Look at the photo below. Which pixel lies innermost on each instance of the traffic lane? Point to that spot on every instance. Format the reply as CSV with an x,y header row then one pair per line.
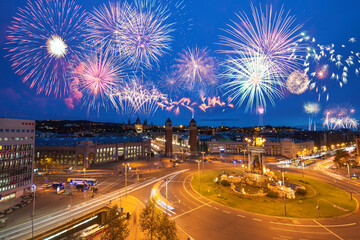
x,y
211,223
56,218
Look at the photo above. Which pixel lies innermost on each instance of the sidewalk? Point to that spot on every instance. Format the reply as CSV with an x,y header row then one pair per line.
x,y
134,206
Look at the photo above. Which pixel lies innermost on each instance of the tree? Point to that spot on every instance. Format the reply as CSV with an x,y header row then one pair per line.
x,y
148,220
118,228
156,224
166,228
341,157
47,162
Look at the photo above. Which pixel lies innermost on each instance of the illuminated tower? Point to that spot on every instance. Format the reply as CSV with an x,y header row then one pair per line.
x,y
193,137
138,126
168,138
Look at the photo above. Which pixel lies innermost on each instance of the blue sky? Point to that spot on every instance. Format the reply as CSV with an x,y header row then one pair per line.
x,y
329,21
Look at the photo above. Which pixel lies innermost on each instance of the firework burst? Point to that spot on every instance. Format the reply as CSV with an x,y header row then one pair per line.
x,y
340,116
140,33
312,109
298,82
251,78
195,69
99,75
137,97
273,35
44,38
175,106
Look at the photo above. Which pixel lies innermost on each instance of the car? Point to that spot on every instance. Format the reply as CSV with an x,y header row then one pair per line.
x,y
46,185
9,210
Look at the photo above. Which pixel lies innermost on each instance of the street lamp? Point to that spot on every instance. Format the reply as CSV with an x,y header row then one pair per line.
x,y
283,177
166,190
203,160
33,211
198,174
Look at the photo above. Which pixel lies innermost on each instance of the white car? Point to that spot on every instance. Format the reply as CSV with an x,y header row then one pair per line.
x,y
46,185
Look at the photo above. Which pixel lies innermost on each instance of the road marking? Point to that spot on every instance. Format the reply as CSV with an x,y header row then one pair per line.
x,y
240,216
315,226
329,230
286,237
226,212
191,238
256,219
190,211
288,230
216,208
295,221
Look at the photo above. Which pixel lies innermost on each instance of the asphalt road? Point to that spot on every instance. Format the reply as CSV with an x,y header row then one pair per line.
x,y
201,218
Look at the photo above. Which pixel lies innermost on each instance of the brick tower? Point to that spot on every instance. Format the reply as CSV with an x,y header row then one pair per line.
x,y
168,138
193,137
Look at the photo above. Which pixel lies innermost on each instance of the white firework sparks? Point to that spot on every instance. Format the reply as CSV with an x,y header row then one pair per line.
x,y
298,82
251,78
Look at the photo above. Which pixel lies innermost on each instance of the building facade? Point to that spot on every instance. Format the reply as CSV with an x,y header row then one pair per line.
x,y
17,140
285,147
85,152
288,148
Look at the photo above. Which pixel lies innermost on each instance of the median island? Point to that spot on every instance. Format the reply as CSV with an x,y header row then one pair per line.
x,y
269,193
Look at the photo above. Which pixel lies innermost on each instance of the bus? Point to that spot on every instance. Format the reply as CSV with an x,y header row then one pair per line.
x,y
90,231
88,181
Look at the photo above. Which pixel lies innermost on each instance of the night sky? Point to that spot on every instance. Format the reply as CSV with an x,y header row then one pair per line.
x,y
201,24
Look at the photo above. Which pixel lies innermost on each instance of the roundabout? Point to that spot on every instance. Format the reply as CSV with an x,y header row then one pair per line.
x,y
200,217
316,200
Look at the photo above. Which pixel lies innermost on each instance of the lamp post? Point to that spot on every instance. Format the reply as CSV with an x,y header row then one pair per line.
x,y
166,192
203,160
283,177
125,180
198,174
33,212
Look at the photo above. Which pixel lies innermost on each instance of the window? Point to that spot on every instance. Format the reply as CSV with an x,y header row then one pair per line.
x,y
6,130
22,130
12,130
32,130
1,130
17,130
27,130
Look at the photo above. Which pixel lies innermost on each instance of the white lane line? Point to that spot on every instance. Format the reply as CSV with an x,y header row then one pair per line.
x,y
190,211
256,219
329,230
286,237
47,222
216,208
226,212
314,226
288,230
240,216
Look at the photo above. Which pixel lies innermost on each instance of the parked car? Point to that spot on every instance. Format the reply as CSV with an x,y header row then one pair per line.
x,y
46,185
7,211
